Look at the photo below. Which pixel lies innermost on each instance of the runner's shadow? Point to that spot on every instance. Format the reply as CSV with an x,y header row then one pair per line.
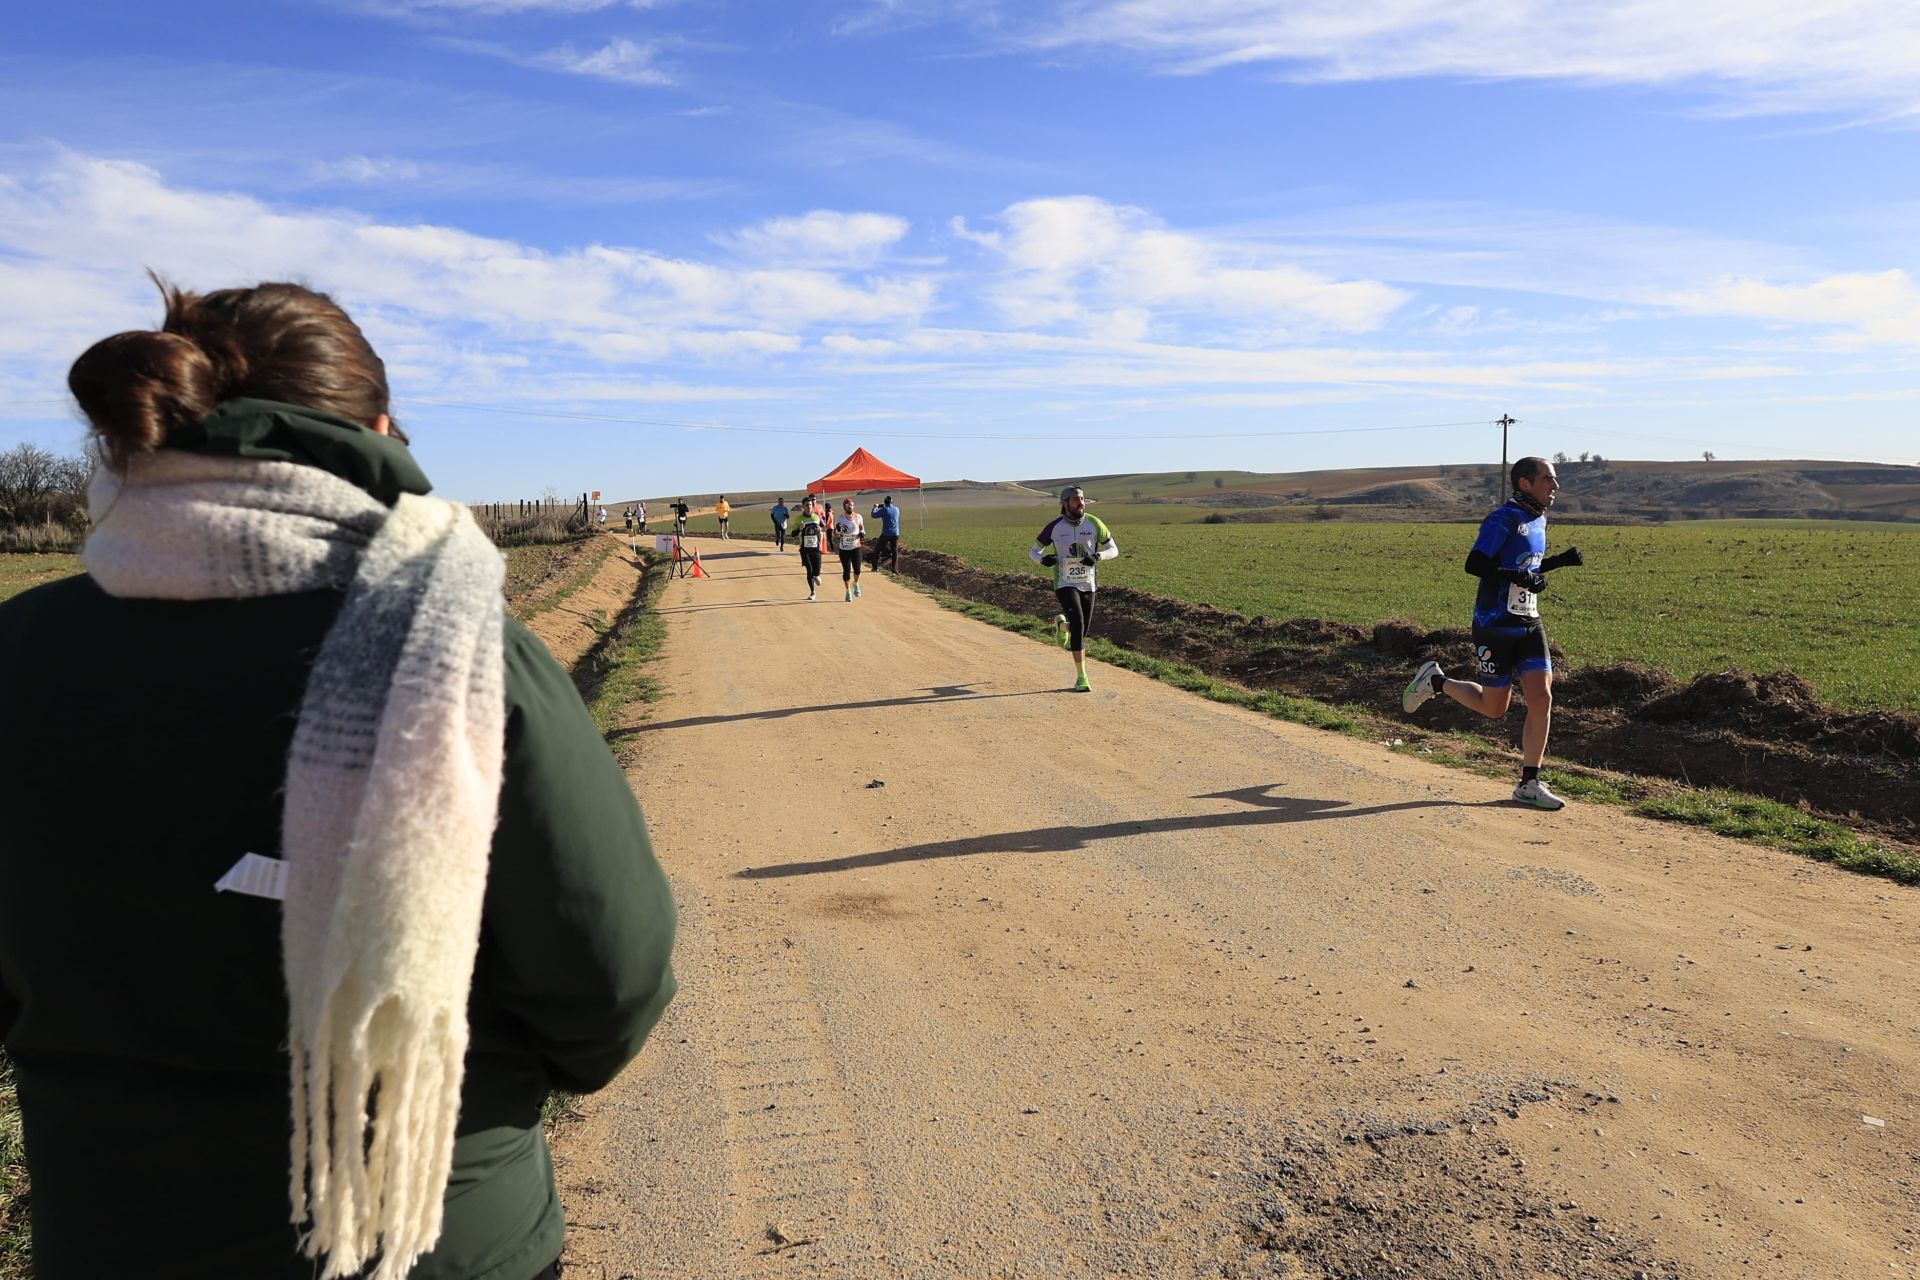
x,y
937,694
1267,810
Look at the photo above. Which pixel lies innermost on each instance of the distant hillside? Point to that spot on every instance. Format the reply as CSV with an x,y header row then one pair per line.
x,y
1645,490
1608,489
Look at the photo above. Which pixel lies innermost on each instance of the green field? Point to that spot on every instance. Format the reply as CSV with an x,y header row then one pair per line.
x,y
18,572
1838,603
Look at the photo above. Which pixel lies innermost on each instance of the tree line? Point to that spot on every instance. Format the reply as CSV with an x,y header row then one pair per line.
x,y
43,499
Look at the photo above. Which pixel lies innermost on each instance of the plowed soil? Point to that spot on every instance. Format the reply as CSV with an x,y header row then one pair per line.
x,y
1764,734
985,978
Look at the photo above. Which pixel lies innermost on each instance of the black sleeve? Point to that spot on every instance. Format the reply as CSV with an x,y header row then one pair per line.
x,y
1481,565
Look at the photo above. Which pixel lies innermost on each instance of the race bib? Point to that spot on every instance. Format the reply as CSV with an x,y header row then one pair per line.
x,y
849,542
1075,574
1522,602
811,541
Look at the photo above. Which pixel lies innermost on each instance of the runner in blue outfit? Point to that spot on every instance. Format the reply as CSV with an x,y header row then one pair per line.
x,y
889,547
779,514
1510,559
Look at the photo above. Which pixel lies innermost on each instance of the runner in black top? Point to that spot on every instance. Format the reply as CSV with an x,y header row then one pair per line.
x,y
812,530
1509,557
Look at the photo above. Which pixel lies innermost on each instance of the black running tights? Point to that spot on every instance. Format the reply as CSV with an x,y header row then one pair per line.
x,y
1078,606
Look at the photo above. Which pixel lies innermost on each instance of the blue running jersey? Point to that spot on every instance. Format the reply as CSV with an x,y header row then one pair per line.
x,y
1514,538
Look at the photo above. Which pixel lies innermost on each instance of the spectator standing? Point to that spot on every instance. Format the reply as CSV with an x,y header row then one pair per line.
x,y
439,901
779,514
889,545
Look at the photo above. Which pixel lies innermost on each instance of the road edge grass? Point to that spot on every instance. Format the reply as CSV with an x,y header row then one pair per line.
x,y
16,1258
580,578
610,677
1733,814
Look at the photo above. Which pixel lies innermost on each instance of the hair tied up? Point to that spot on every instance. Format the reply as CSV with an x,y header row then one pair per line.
x,y
137,387
272,341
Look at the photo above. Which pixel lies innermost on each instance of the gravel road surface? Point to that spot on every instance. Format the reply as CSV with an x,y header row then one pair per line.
x,y
1130,983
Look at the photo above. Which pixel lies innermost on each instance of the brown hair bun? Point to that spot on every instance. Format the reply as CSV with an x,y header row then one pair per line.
x,y
272,341
136,387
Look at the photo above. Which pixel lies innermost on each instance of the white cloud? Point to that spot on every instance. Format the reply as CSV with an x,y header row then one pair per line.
x,y
75,237
363,169
1078,261
1881,308
620,60
1766,55
822,236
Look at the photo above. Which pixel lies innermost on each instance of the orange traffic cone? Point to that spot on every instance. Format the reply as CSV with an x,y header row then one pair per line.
x,y
697,571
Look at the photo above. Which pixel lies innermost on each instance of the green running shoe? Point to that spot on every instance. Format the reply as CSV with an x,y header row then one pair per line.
x,y
1081,686
856,591
1060,627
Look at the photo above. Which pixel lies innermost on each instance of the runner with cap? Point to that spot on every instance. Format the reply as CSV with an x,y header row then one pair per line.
x,y
1071,544
1509,557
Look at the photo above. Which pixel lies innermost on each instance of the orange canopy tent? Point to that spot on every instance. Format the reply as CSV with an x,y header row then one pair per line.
x,y
860,471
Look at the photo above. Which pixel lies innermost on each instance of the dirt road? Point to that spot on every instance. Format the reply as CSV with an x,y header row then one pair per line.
x,y
1130,983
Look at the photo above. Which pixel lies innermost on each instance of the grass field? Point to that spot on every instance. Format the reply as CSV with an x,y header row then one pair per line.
x,y
1838,603
18,572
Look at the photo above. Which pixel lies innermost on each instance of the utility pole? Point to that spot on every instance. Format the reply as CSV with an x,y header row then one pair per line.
x,y
1506,420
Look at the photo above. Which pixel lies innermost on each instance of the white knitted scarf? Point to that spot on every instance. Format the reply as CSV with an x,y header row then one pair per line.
x,y
393,786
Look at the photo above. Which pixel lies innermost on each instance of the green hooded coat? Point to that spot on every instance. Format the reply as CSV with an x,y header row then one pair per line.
x,y
143,747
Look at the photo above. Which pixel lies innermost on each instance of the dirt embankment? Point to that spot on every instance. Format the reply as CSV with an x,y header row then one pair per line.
x,y
1767,735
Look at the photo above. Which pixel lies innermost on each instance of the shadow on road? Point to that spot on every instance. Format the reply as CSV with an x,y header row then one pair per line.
x,y
737,604
1268,809
936,694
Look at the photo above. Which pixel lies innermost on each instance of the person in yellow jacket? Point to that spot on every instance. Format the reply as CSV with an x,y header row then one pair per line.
x,y
722,510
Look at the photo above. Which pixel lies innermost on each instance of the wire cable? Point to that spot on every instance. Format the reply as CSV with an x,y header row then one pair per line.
x,y
565,415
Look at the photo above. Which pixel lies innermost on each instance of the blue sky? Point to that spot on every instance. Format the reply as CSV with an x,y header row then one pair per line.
x,y
692,245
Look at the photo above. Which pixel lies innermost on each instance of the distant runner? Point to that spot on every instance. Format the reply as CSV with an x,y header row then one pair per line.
x,y
680,509
722,510
779,514
1070,544
889,547
1509,557
640,513
813,527
849,531
628,516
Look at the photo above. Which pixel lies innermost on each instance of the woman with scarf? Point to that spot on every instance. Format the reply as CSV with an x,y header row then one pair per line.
x,y
316,876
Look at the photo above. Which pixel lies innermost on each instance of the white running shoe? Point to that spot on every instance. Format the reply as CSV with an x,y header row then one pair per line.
x,y
1535,793
1420,688
809,595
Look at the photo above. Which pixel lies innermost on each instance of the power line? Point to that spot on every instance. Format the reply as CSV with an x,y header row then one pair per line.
x,y
565,415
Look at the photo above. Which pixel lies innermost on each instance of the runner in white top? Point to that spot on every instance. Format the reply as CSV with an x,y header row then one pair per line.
x,y
849,530
1071,545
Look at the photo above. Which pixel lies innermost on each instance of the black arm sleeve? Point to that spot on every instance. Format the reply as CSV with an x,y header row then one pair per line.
x,y
1481,565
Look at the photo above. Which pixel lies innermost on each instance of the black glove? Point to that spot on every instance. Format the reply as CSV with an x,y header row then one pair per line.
x,y
1049,559
1568,559
1532,581
1087,560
